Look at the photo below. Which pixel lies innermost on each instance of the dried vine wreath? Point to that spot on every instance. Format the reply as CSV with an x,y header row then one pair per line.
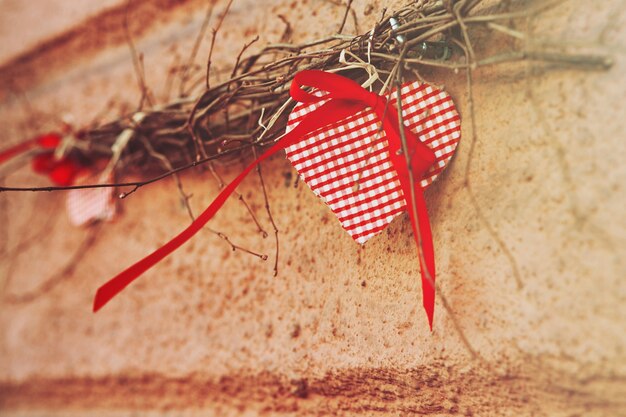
x,y
248,111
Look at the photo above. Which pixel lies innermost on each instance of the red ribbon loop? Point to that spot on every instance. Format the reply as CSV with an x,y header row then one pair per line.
x,y
346,98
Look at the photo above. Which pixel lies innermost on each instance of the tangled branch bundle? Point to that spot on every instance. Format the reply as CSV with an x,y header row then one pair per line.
x,y
249,109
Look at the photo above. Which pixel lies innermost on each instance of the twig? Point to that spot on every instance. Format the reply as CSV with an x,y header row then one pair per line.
x,y
135,184
345,16
239,197
137,62
245,47
194,51
215,30
184,197
468,185
66,272
423,264
269,212
457,8
236,247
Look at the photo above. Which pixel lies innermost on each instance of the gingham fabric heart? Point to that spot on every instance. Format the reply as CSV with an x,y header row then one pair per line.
x,y
348,166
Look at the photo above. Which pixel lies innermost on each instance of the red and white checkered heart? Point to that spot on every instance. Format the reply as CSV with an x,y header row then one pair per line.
x,y
348,166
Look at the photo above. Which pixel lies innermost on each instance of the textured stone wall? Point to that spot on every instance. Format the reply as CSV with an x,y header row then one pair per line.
x,y
528,224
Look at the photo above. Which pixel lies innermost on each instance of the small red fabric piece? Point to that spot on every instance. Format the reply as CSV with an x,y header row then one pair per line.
x,y
64,172
43,163
49,140
61,172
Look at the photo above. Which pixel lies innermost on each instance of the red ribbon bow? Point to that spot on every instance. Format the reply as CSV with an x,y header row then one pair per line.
x,y
346,98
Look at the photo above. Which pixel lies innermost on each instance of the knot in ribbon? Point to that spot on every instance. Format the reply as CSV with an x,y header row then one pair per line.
x,y
344,98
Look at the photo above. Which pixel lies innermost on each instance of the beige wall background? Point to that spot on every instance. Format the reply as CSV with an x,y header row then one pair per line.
x,y
529,227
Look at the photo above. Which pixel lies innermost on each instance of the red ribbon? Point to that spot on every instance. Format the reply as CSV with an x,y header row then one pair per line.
x,y
47,141
61,171
346,98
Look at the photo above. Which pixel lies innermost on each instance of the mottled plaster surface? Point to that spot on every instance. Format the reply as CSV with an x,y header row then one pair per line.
x,y
529,241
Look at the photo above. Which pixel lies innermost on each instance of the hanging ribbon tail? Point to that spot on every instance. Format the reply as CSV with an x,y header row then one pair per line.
x,y
114,286
328,113
421,158
427,256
